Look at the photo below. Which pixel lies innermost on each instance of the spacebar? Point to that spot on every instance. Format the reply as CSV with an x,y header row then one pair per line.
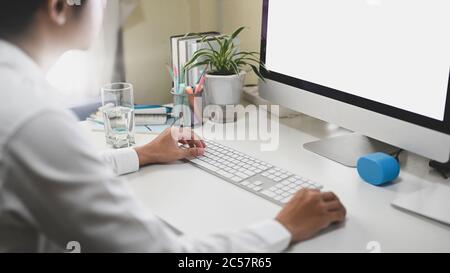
x,y
205,165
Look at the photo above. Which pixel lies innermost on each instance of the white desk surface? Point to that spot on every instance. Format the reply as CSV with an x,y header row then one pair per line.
x,y
197,203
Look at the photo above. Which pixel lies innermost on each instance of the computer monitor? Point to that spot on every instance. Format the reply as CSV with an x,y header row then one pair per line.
x,y
376,67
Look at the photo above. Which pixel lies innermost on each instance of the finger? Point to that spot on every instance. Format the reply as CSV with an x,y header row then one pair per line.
x,y
193,141
198,141
180,133
175,134
184,143
334,205
188,135
329,196
192,152
337,216
188,143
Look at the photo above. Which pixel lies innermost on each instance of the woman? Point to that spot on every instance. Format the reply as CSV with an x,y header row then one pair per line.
x,y
54,187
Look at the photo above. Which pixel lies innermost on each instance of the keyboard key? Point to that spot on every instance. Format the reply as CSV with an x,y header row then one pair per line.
x,y
278,198
286,194
243,175
225,174
205,165
249,173
258,183
270,194
256,188
236,179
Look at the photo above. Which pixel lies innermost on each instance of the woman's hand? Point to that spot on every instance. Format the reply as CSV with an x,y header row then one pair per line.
x,y
309,212
165,148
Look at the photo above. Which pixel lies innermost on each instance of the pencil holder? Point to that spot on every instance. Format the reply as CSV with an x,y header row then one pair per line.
x,y
181,109
198,103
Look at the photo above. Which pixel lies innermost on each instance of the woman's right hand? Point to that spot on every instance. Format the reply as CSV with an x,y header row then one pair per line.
x,y
309,212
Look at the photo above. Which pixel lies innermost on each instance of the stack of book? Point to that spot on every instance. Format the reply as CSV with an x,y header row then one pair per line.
x,y
145,115
151,114
184,47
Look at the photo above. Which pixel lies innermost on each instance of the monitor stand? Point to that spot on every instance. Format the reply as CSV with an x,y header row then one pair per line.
x,y
347,149
442,168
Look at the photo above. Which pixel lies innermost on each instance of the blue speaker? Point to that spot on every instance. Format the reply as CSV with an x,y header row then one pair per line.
x,y
378,168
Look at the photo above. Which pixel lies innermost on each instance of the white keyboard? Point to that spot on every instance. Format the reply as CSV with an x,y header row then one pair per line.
x,y
265,180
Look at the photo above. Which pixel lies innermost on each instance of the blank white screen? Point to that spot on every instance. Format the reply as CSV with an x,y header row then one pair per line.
x,y
396,52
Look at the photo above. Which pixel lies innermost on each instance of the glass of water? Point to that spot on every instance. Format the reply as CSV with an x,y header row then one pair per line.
x,y
118,114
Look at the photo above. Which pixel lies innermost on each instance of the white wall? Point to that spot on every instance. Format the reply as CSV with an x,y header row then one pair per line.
x,y
147,32
248,13
147,41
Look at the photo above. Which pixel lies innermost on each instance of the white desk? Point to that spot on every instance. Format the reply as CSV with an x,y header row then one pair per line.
x,y
198,203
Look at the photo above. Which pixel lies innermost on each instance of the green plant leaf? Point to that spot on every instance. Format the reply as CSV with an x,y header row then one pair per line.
x,y
199,54
247,60
207,63
257,72
210,38
226,58
236,33
235,67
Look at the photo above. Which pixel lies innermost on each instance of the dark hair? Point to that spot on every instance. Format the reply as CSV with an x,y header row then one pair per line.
x,y
17,15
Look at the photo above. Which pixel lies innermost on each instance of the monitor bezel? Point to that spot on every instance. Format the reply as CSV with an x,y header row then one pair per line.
x,y
384,109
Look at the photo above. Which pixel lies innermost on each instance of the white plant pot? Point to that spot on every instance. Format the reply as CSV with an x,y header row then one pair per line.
x,y
224,91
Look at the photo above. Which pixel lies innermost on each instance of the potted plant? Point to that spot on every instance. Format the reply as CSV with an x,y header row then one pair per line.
x,y
226,68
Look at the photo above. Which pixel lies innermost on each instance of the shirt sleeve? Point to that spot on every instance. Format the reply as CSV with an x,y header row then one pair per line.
x,y
267,236
122,161
71,195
